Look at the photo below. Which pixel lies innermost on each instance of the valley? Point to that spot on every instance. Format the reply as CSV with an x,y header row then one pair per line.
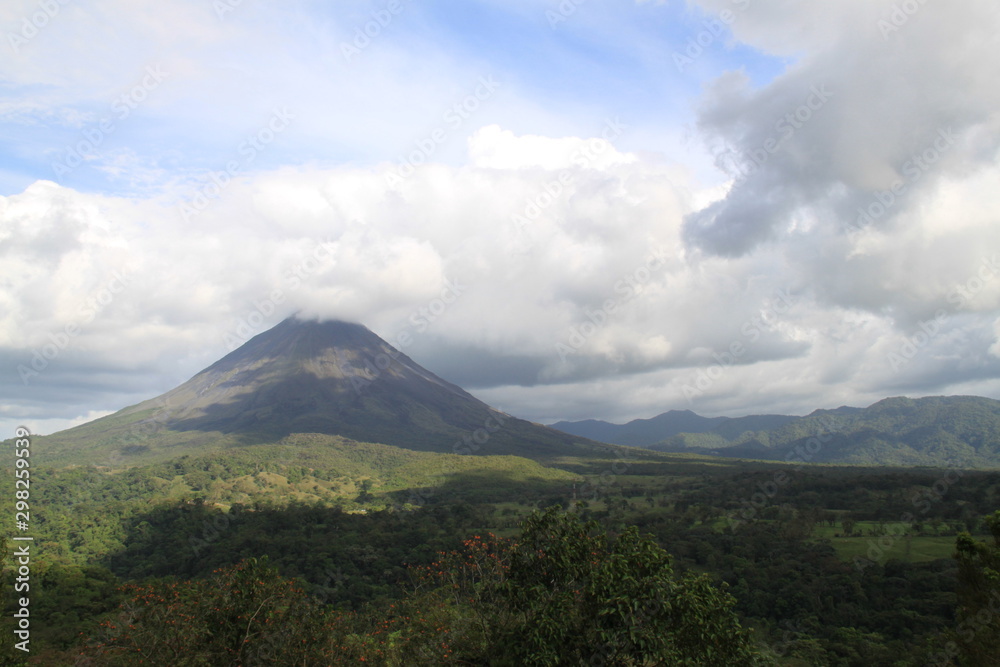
x,y
831,550
217,488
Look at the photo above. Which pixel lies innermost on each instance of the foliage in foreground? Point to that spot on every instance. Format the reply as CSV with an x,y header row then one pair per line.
x,y
564,593
976,640
568,593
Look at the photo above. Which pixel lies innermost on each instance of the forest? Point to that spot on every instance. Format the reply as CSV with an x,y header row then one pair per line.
x,y
350,552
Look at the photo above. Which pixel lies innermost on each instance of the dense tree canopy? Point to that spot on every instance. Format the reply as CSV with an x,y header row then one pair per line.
x,y
563,593
827,565
977,637
567,593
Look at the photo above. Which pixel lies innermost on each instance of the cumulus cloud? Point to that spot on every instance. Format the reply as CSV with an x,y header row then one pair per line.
x,y
878,101
494,147
849,254
523,262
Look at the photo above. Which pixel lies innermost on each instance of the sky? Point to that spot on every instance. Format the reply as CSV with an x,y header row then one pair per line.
x,y
573,209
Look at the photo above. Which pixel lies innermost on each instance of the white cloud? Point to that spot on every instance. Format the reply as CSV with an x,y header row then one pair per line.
x,y
518,255
495,148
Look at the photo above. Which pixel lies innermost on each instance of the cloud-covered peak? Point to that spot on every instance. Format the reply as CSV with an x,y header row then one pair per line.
x,y
727,206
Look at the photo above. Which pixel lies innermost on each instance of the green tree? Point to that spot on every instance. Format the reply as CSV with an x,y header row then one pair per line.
x,y
365,496
978,614
566,593
244,615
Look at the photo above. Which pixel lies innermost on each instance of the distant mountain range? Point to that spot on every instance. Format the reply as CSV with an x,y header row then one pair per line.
x,y
934,431
331,378
648,432
339,379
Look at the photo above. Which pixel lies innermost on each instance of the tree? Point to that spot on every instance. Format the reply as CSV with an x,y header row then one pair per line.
x,y
978,614
565,593
365,495
244,615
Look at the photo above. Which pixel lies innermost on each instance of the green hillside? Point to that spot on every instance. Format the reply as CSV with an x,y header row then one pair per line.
x,y
333,378
958,431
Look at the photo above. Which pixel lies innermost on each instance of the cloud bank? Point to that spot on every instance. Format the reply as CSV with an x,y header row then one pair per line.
x,y
844,248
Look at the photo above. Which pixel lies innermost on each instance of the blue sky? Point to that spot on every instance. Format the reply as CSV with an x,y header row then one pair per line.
x,y
168,167
558,78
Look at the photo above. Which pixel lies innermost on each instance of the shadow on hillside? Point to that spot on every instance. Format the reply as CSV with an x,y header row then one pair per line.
x,y
490,486
301,404
347,558
424,417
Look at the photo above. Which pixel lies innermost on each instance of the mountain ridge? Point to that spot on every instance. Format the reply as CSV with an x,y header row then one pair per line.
x,y
929,431
645,432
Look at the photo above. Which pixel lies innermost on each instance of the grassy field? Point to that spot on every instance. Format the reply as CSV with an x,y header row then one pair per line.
x,y
914,549
898,542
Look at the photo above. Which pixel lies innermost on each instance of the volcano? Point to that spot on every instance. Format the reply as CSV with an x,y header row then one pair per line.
x,y
334,378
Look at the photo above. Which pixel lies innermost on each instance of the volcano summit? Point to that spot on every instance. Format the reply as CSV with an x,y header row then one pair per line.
x,y
334,378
